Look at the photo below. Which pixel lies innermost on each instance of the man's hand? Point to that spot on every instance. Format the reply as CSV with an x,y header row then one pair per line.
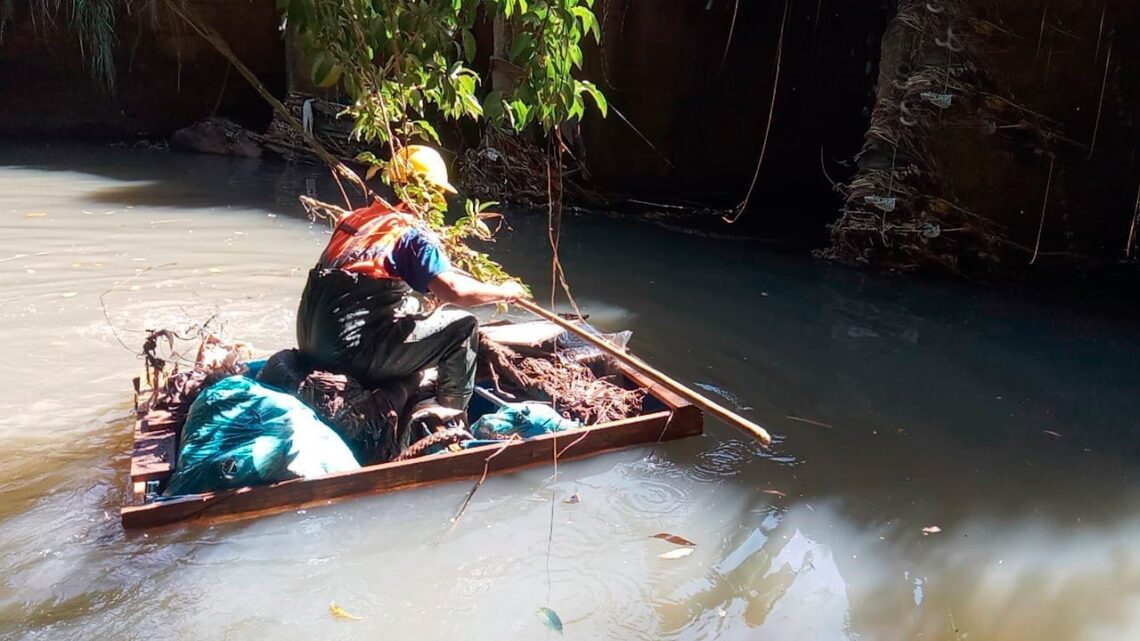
x,y
513,290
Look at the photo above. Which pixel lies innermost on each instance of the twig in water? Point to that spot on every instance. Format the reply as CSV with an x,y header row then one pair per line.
x,y
1044,206
585,433
731,30
222,91
1100,32
660,437
1100,104
823,166
1132,231
103,304
550,532
815,23
475,487
643,137
554,229
808,421
771,111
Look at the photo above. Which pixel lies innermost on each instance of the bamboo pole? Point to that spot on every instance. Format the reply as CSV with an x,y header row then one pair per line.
x,y
717,410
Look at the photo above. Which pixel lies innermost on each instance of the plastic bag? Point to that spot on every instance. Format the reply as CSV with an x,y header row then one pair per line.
x,y
240,433
523,419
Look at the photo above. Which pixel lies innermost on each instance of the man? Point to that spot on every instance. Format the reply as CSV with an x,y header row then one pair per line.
x,y
357,313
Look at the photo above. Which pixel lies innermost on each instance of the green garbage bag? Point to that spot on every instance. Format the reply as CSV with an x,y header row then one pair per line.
x,y
241,433
522,419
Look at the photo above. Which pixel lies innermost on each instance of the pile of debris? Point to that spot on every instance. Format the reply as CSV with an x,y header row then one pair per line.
x,y
524,362
322,119
900,208
574,381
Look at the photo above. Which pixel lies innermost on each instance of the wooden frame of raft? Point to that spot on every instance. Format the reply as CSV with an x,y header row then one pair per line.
x,y
156,446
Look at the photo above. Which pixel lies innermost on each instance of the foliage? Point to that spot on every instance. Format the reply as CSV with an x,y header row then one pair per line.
x,y
403,61
92,21
400,58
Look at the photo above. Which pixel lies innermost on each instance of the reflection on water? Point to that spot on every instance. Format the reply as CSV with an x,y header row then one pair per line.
x,y
1007,423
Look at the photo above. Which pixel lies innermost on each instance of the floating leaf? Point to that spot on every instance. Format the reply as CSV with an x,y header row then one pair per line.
x,y
931,529
340,613
573,498
550,619
679,553
673,538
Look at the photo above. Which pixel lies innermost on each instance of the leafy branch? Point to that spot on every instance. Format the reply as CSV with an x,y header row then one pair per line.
x,y
404,62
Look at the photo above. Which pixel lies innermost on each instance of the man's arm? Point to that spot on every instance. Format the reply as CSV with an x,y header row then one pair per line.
x,y
455,288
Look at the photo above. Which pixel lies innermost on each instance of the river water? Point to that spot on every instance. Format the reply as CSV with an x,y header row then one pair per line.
x,y
1006,422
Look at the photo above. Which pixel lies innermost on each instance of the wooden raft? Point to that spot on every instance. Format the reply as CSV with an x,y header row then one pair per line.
x,y
156,446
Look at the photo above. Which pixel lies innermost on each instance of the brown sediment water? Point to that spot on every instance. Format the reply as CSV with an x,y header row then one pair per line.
x,y
952,462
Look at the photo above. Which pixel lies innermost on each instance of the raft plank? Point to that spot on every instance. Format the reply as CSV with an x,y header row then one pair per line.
x,y
156,441
158,421
154,454
304,493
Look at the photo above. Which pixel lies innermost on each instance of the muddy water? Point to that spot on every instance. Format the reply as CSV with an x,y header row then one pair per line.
x,y
1008,424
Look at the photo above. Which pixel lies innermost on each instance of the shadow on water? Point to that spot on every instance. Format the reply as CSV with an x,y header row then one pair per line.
x,y
174,179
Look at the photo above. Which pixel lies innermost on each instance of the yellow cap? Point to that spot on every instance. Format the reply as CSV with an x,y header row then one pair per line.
x,y
422,160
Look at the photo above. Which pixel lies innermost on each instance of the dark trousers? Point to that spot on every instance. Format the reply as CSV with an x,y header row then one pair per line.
x,y
350,323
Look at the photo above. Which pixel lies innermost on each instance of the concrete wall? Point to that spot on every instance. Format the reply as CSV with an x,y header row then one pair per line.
x,y
167,76
706,112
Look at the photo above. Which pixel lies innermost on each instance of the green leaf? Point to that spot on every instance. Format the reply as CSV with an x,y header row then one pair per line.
x,y
469,47
597,95
575,53
522,42
331,78
589,22
493,106
427,131
521,111
577,108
